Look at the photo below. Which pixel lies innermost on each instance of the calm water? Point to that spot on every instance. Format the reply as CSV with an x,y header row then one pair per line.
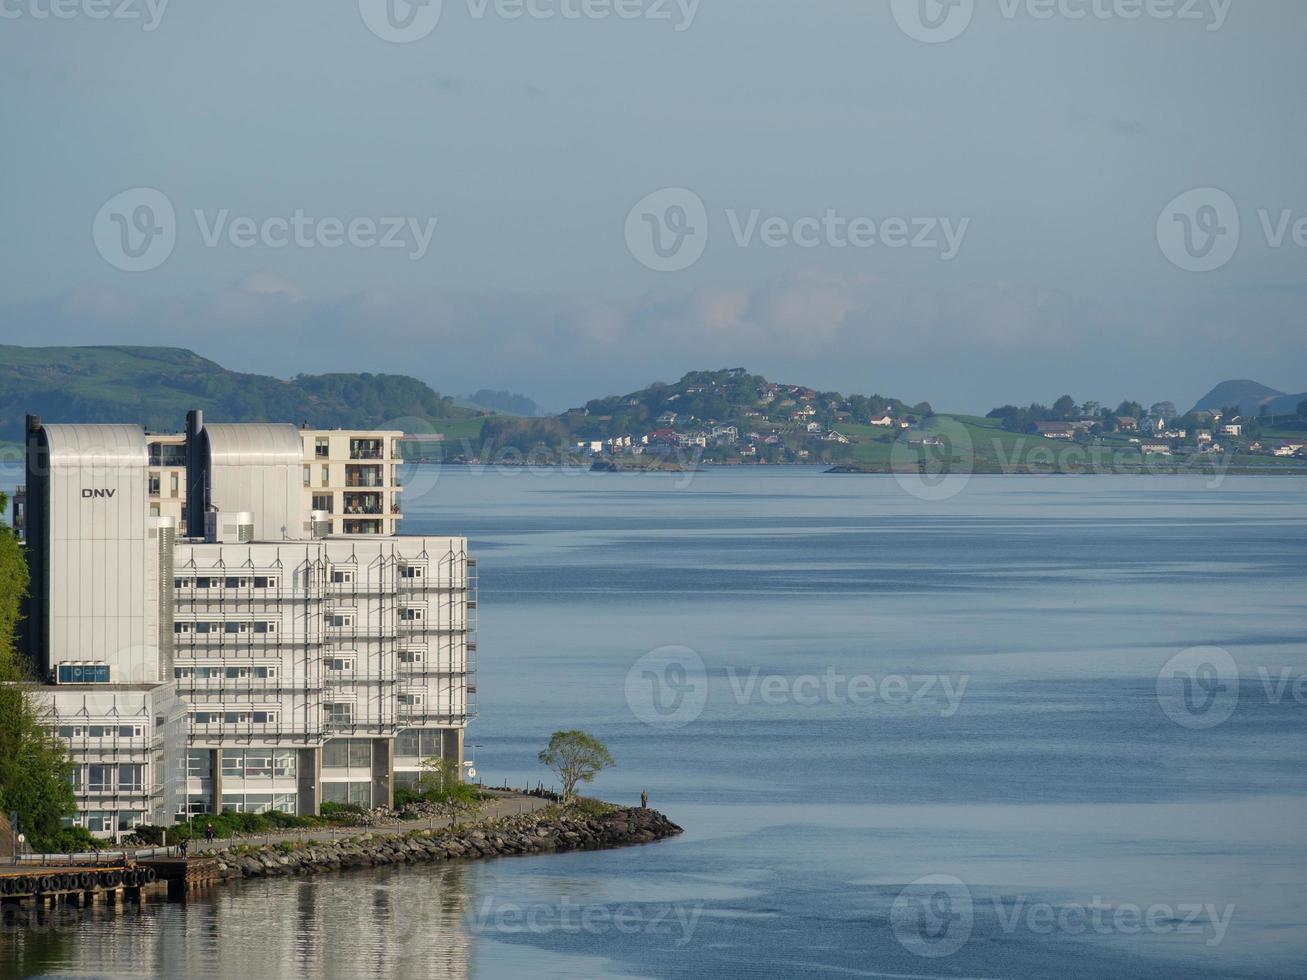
x,y
1066,825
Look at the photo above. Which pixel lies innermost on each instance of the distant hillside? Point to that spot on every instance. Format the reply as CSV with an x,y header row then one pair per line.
x,y
154,387
731,414
508,402
1250,396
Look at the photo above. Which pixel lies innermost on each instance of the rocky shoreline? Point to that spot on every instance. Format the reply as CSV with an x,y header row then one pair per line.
x,y
546,831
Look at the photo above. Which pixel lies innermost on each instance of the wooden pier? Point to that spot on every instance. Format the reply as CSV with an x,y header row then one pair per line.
x,y
76,885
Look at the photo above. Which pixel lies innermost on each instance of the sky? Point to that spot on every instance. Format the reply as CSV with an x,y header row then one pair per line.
x,y
970,202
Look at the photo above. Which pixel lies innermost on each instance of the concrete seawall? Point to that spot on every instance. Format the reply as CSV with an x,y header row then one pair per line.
x,y
551,830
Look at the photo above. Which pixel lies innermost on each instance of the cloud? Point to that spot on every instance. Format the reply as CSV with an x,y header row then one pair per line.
x,y
973,346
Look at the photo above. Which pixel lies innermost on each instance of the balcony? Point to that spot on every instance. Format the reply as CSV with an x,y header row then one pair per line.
x,y
364,476
366,449
168,456
364,503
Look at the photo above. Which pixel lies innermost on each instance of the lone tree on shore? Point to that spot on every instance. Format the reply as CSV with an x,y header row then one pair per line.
x,y
577,757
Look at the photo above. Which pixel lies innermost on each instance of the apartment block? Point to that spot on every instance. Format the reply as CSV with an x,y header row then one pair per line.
x,y
275,655
353,479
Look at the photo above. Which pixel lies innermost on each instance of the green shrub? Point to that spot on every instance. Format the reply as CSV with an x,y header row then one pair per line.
x,y
342,809
591,807
152,834
69,840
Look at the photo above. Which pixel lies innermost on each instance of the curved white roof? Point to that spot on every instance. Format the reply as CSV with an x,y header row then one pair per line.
x,y
253,443
95,445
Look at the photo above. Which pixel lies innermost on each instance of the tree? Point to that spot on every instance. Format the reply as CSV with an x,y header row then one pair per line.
x,y
35,771
1064,407
577,757
1163,410
438,775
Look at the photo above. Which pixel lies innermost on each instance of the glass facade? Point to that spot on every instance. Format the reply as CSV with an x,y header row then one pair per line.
x,y
259,802
356,792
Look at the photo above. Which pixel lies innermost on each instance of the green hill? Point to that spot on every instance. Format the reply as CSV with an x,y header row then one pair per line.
x,y
1250,397
154,387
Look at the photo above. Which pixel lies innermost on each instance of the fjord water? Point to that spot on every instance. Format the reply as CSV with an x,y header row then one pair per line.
x,y
1057,783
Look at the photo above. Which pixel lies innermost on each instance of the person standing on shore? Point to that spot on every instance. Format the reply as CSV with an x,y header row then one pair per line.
x,y
644,799
208,833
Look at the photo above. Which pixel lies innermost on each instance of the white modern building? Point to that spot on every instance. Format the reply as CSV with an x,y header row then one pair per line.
x,y
350,476
277,656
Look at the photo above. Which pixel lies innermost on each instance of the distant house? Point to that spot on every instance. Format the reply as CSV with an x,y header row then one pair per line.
x,y
1292,448
806,412
1055,430
667,419
1232,429
883,421
1155,448
833,436
1127,423
814,426
1203,435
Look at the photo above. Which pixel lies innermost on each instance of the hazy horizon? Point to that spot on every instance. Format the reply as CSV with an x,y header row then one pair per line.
x,y
841,197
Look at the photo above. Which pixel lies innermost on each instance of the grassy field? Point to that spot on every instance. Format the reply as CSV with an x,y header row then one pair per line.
x,y
982,445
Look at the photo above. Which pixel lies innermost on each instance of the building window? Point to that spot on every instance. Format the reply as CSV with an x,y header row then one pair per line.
x,y
418,743
344,753
410,571
358,793
322,447
341,576
325,502
83,673
339,712
199,764
308,474
406,743
411,700
173,487
326,475
131,778
410,657
338,664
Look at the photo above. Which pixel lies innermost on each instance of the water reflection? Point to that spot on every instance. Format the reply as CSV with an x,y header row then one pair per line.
x,y
409,921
